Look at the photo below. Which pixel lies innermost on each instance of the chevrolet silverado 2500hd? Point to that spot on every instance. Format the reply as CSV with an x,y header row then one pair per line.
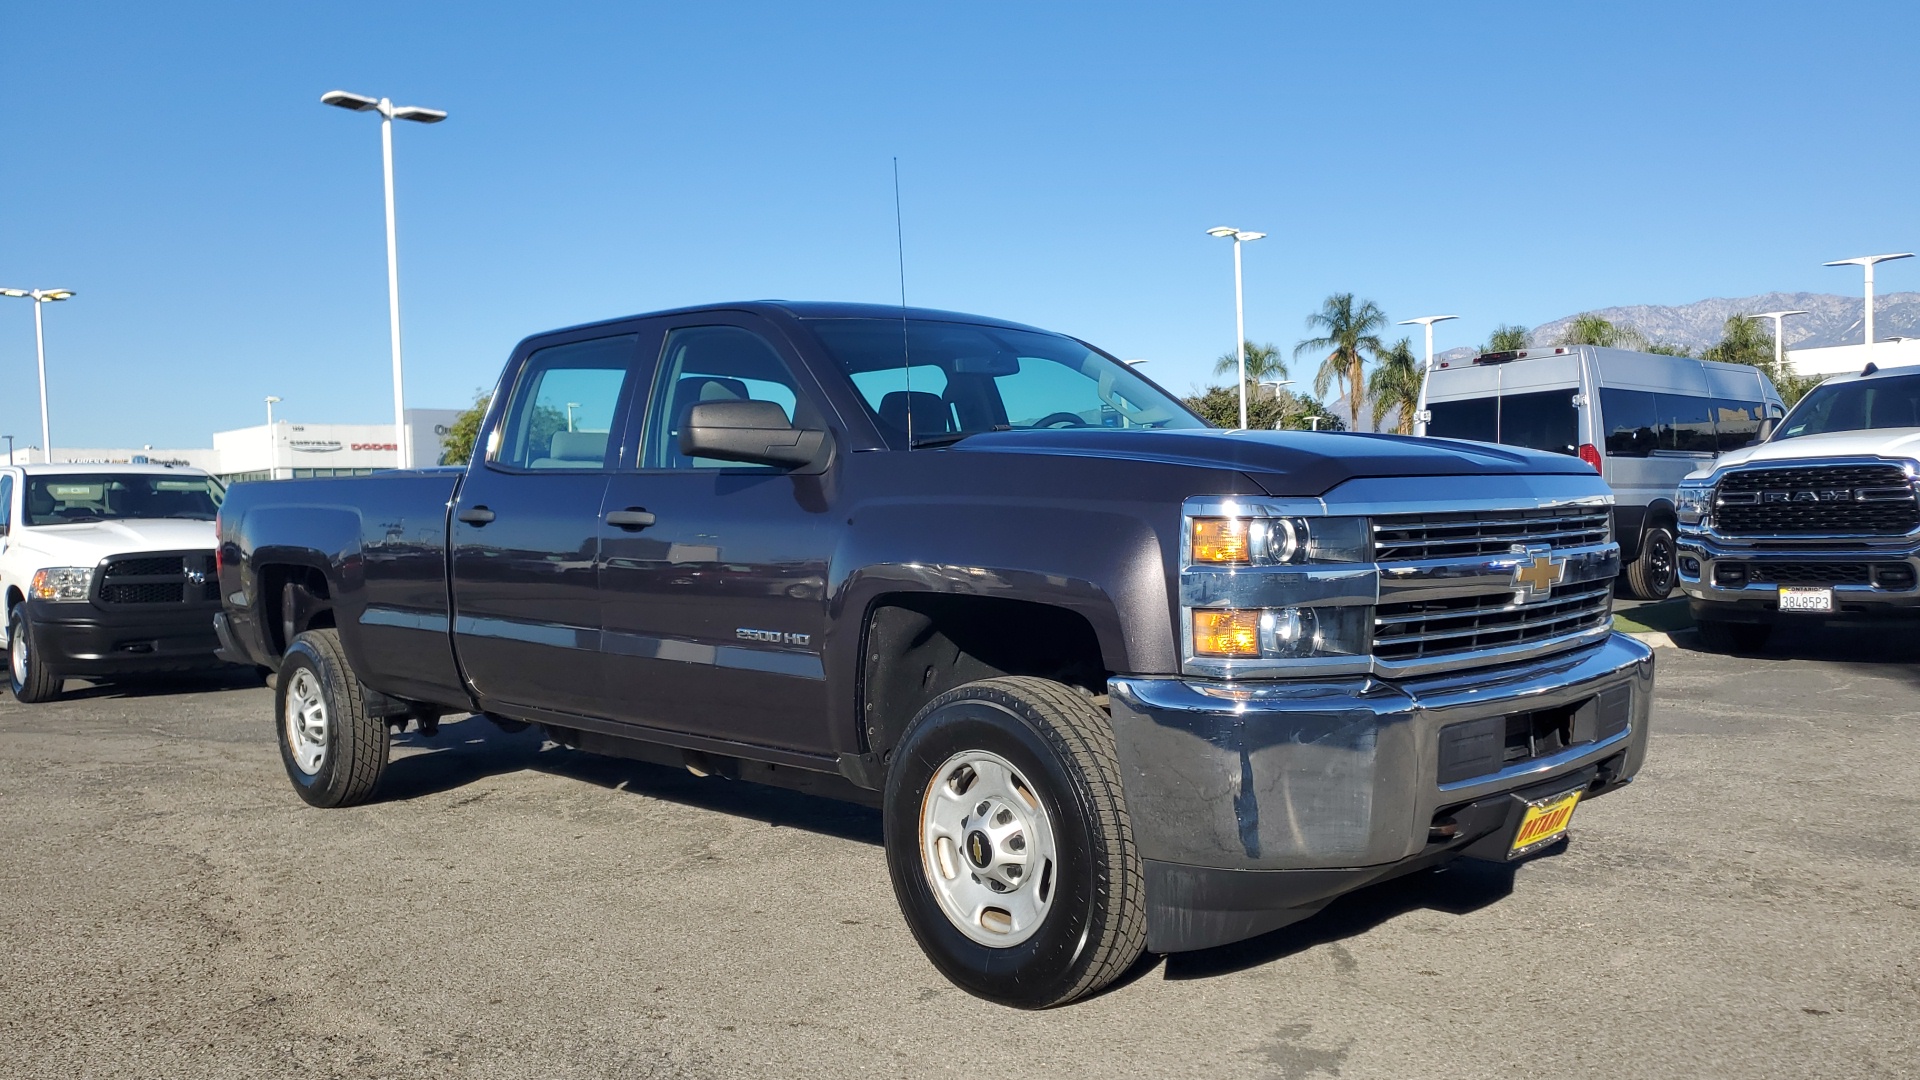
x,y
1118,681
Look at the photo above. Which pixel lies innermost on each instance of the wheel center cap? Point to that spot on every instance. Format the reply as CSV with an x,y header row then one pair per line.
x,y
979,849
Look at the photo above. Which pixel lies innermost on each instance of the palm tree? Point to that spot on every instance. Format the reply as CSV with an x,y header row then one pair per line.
x,y
1506,339
1591,329
1349,328
1395,384
1743,341
1264,364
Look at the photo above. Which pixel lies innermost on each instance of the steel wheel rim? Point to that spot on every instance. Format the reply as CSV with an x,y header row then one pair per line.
x,y
17,653
987,849
1661,559
306,722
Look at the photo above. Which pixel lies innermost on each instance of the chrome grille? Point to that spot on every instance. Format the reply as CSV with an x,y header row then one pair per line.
x,y
1407,537
1880,501
1428,629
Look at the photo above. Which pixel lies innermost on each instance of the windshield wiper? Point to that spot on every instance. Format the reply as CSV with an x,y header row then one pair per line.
x,y
951,437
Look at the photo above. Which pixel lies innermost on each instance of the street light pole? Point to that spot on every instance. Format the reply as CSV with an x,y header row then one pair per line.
x,y
388,114
39,297
9,449
273,443
1239,309
1867,262
1426,372
1779,335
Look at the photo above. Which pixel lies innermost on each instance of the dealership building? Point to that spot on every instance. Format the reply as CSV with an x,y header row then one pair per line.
x,y
285,450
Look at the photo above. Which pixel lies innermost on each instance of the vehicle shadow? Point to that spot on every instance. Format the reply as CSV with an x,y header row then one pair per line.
x,y
214,681
1893,649
1459,888
469,750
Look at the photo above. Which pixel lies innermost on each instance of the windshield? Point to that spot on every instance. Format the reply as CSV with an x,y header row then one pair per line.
x,y
78,497
1856,405
962,379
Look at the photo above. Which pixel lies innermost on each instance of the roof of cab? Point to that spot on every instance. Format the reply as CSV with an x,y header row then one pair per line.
x,y
809,310
1874,373
66,468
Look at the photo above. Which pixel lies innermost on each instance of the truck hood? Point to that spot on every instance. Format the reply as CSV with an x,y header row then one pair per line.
x,y
86,543
1285,463
1877,442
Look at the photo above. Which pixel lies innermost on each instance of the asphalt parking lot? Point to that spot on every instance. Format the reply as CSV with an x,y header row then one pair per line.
x,y
168,908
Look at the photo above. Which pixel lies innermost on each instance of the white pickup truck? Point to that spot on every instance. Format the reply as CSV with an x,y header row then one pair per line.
x,y
106,571
1818,522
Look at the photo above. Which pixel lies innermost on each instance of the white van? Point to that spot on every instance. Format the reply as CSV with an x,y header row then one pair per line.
x,y
1642,420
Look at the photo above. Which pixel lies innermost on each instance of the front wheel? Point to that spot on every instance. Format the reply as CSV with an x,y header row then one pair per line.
x,y
1009,844
31,680
1651,575
334,752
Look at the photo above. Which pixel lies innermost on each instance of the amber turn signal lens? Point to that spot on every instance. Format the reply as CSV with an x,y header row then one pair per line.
x,y
1220,540
1226,633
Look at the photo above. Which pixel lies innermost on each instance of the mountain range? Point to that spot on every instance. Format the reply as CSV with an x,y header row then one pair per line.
x,y
1830,320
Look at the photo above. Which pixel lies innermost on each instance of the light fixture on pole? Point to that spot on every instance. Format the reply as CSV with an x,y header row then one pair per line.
x,y
1239,308
1426,371
39,297
1867,262
571,406
1780,338
389,112
273,442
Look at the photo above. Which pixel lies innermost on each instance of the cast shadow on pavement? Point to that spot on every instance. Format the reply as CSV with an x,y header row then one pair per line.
x,y
1459,888
469,750
1889,650
212,681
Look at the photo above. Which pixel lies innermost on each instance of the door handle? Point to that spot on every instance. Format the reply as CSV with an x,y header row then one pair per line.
x,y
632,518
477,515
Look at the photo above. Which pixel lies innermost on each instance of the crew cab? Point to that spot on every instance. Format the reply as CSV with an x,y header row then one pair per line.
x,y
106,571
1117,681
1818,524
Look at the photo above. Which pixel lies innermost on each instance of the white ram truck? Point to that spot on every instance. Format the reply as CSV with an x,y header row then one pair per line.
x,y
106,571
1818,522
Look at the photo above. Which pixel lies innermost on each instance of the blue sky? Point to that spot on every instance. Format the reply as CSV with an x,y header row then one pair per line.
x,y
1060,163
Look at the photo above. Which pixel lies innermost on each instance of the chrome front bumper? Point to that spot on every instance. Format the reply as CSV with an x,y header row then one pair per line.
x,y
1699,584
1331,784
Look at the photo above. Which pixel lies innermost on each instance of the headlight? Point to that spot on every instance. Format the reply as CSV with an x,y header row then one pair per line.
x,y
1288,633
62,583
1275,541
1693,501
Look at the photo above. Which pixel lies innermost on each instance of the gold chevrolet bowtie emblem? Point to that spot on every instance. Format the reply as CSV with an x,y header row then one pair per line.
x,y
1539,574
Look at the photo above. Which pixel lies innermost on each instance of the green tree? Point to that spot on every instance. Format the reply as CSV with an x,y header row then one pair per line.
x,y
1350,331
1743,341
1264,364
1395,384
1591,329
465,431
1506,339
1669,350
1220,406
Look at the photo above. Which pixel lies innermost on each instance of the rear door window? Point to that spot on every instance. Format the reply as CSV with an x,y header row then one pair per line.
x,y
1475,418
1544,420
561,415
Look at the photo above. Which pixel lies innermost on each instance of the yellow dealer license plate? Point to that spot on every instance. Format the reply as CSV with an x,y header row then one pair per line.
x,y
1546,820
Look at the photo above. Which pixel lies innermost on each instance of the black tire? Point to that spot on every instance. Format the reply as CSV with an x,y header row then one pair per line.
x,y
354,756
1652,573
1061,744
1733,637
41,682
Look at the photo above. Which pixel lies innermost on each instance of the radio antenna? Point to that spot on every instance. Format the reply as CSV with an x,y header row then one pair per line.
x,y
900,245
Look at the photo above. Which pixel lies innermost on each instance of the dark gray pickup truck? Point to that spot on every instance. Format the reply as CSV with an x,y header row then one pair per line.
x,y
1118,681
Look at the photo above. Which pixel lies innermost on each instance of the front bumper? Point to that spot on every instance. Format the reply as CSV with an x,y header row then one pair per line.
x,y
1255,803
1706,586
83,640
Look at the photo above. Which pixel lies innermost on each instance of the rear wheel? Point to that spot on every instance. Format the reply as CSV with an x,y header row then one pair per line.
x,y
1009,844
1733,637
1650,576
334,752
28,675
